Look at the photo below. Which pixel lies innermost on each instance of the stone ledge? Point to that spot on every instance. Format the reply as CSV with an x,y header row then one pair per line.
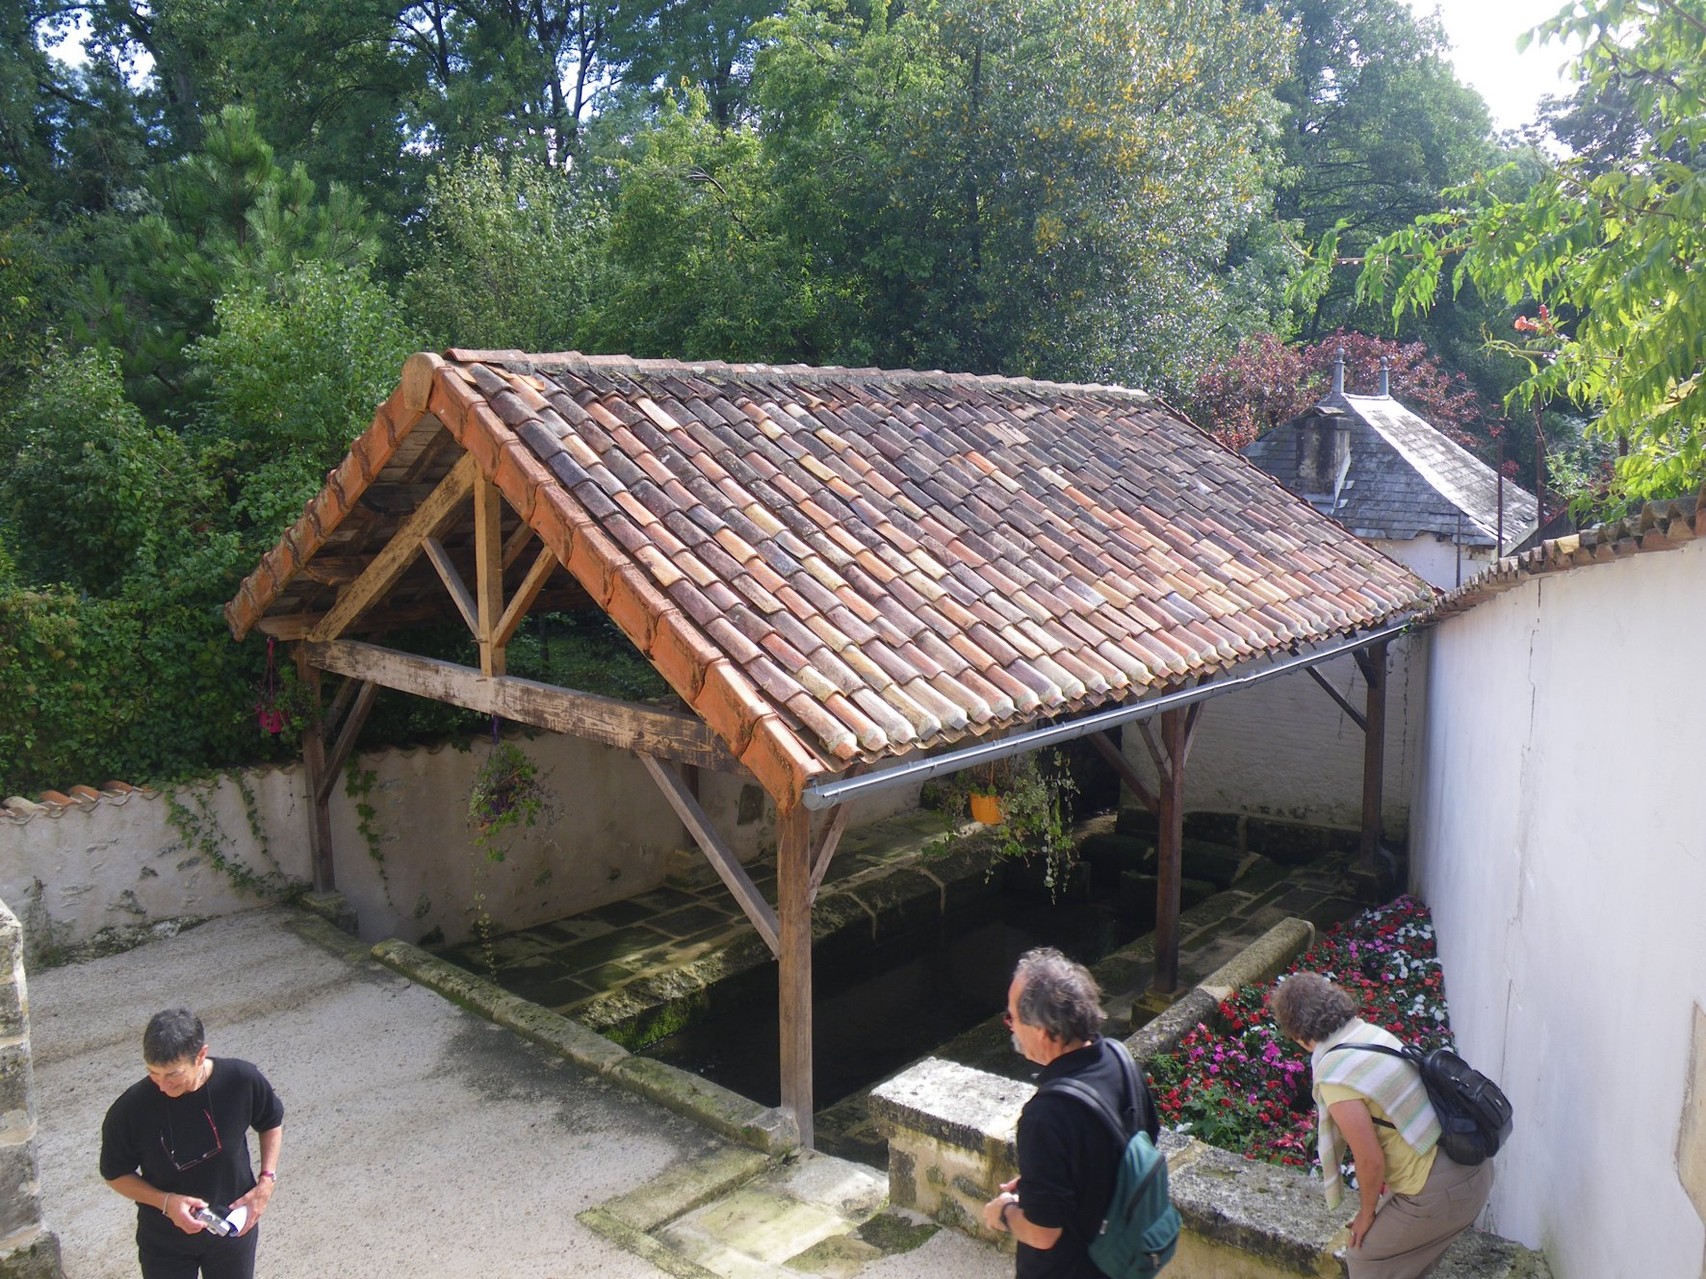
x,y
720,1110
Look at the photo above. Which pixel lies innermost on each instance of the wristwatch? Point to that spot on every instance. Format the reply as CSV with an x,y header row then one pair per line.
x,y
267,1174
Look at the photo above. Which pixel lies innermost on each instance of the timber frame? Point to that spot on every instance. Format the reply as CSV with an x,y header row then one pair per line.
x,y
831,569
671,745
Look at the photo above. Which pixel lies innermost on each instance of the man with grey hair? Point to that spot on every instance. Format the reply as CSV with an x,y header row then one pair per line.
x,y
1068,1159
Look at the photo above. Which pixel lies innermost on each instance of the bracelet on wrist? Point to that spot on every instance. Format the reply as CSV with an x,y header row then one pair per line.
x,y
266,1174
1005,1209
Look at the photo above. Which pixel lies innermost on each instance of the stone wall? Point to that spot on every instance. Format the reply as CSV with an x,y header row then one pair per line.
x,y
28,1250
107,869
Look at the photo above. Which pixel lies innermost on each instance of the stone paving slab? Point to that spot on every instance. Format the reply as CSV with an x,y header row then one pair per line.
x,y
420,1139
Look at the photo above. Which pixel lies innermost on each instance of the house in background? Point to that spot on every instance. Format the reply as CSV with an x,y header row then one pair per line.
x,y
1398,483
1287,749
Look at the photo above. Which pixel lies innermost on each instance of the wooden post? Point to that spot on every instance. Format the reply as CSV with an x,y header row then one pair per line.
x,y
1170,769
488,574
1373,664
319,792
794,996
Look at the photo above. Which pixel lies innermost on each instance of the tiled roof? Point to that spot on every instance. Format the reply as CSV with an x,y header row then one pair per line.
x,y
52,803
1405,477
1658,526
832,566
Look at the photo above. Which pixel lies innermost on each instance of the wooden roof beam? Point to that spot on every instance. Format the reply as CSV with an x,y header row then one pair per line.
x,y
386,567
645,729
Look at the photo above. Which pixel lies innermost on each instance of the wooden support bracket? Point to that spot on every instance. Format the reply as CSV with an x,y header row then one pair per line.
x,y
717,851
1110,751
1343,701
823,852
346,737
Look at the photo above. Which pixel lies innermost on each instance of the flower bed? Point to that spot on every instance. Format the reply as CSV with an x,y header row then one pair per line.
x,y
1242,1086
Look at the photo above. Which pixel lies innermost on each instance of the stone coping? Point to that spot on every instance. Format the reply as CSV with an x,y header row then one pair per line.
x,y
722,1111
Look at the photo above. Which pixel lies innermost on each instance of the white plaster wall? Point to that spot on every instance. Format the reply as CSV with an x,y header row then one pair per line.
x,y
1435,560
120,864
1557,836
1283,748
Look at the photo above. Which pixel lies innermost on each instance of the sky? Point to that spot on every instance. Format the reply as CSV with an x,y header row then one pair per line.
x,y
1483,35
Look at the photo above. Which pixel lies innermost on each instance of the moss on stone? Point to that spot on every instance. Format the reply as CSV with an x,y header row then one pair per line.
x,y
893,1233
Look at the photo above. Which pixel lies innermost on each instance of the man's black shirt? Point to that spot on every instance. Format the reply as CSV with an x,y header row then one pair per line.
x,y
149,1133
1068,1161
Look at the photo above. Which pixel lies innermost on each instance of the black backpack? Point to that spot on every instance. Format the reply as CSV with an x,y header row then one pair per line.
x,y
1474,1114
1140,1233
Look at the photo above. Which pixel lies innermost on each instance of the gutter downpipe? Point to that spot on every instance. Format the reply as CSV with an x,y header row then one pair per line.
x,y
828,794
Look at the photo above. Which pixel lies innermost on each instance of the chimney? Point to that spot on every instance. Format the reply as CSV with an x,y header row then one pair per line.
x,y
1323,451
1339,372
1385,377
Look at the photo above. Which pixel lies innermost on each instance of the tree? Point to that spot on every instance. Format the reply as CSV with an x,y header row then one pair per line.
x,y
505,256
228,215
1043,188
1265,382
293,371
1610,244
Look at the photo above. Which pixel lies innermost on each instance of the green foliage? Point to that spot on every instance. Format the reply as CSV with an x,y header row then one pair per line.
x,y
95,495
1036,809
1611,244
1046,189
505,255
292,374
228,217
200,829
507,795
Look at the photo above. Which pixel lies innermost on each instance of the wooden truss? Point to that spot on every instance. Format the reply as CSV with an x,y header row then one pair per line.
x,y
673,746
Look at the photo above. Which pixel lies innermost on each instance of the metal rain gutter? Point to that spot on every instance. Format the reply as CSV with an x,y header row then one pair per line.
x,y
830,793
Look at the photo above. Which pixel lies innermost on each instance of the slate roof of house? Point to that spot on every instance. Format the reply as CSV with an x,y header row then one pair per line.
x,y
831,566
1405,477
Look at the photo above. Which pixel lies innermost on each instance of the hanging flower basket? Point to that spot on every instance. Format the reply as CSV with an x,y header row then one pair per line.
x,y
506,793
986,808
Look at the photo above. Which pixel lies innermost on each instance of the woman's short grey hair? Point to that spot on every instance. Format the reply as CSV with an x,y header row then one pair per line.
x,y
1306,1006
172,1036
1058,996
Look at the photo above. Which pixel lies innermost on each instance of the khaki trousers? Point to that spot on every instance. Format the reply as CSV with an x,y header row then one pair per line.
x,y
1410,1232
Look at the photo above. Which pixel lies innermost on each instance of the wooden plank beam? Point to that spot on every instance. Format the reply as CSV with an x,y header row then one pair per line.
x,y
666,734
1343,701
794,960
453,583
516,612
488,573
823,852
716,850
1108,750
387,566
314,770
346,738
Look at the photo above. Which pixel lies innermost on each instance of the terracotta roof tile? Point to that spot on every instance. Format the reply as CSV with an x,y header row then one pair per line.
x,y
833,565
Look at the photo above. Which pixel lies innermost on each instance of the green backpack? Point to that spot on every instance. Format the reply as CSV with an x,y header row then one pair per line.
x,y
1140,1233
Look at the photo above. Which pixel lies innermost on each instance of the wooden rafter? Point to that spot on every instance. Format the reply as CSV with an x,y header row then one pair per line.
x,y
453,582
396,556
716,850
666,734
1105,747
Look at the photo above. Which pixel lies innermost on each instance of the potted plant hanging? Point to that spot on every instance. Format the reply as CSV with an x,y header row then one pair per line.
x,y
506,793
